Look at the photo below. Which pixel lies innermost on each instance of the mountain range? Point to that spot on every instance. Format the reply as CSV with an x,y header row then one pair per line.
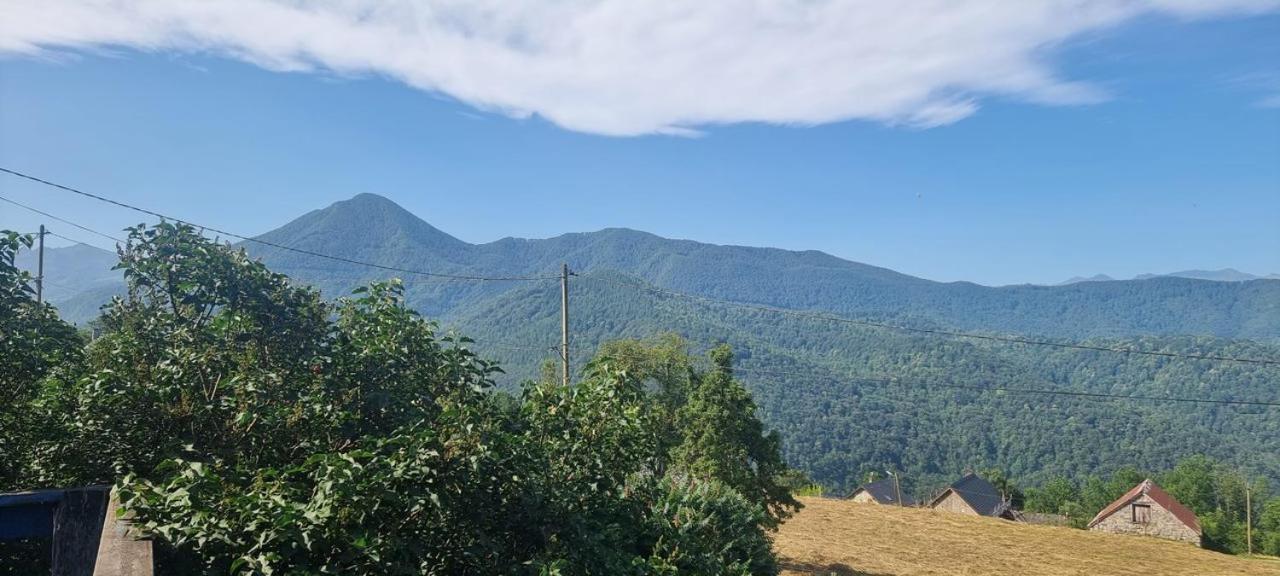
x,y
1221,275
374,229
846,398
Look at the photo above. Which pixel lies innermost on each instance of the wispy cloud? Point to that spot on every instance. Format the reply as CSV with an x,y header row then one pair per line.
x,y
627,67
1267,84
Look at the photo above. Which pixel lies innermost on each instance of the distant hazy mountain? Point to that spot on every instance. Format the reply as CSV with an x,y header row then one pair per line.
x,y
1223,275
75,271
1094,278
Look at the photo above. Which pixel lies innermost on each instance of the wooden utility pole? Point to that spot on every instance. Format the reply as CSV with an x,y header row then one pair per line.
x,y
564,320
897,488
1248,518
40,268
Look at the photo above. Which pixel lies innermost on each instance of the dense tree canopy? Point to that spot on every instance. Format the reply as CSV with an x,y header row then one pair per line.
x,y
33,343
850,400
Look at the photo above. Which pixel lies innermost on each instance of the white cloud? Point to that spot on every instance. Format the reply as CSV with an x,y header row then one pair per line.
x,y
628,67
1267,83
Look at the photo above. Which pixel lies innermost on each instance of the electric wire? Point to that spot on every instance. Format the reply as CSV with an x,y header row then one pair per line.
x,y
60,219
273,244
57,235
643,286
893,380
935,331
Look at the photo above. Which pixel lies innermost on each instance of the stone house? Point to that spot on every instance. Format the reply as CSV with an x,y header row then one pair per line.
x,y
1150,511
884,491
974,495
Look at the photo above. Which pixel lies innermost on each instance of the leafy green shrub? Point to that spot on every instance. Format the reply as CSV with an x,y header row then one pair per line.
x,y
705,527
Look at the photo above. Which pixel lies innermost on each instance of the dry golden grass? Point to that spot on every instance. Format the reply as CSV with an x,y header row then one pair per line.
x,y
843,538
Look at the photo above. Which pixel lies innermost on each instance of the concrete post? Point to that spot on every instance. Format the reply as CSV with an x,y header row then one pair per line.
x,y
120,553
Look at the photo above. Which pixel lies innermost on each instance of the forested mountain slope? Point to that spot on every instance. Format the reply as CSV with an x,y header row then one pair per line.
x,y
71,271
375,229
821,384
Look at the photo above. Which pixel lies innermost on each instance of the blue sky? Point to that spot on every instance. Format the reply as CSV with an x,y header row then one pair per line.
x,y
1170,161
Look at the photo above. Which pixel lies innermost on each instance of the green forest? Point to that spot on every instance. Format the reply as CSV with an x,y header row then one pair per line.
x,y
850,400
251,427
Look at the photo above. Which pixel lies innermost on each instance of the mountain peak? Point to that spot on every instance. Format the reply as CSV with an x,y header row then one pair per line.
x,y
369,199
1094,278
364,223
368,203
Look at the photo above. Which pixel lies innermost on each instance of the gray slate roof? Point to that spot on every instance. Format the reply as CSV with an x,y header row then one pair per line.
x,y
884,492
980,495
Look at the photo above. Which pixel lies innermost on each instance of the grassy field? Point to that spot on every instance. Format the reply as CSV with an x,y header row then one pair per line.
x,y
843,538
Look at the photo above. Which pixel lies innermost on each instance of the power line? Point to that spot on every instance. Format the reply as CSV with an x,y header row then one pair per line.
x,y
553,349
1099,395
57,235
273,244
885,379
940,332
759,307
60,219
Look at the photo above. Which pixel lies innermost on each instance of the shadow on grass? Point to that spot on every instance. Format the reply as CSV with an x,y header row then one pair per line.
x,y
819,569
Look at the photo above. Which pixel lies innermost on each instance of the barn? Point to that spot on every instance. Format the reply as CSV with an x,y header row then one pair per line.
x,y
974,495
884,491
1150,511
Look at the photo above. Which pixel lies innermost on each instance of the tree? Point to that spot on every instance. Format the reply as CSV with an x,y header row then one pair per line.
x,y
706,528
589,441
664,369
1054,497
1096,493
209,351
250,426
1002,483
725,441
34,342
1192,482
1269,528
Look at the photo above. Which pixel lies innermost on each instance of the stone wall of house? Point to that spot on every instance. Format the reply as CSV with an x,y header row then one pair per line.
x,y
1162,524
864,497
954,503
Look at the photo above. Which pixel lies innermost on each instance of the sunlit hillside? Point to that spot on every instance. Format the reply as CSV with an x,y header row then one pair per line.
x,y
842,538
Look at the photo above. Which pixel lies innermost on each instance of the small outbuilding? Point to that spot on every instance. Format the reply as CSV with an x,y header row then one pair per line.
x,y
974,495
885,491
1150,511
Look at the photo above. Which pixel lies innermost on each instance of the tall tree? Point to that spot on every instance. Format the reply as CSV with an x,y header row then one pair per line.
x,y
33,342
664,369
724,440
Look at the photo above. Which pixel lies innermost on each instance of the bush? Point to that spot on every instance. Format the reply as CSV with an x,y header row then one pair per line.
x,y
705,527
